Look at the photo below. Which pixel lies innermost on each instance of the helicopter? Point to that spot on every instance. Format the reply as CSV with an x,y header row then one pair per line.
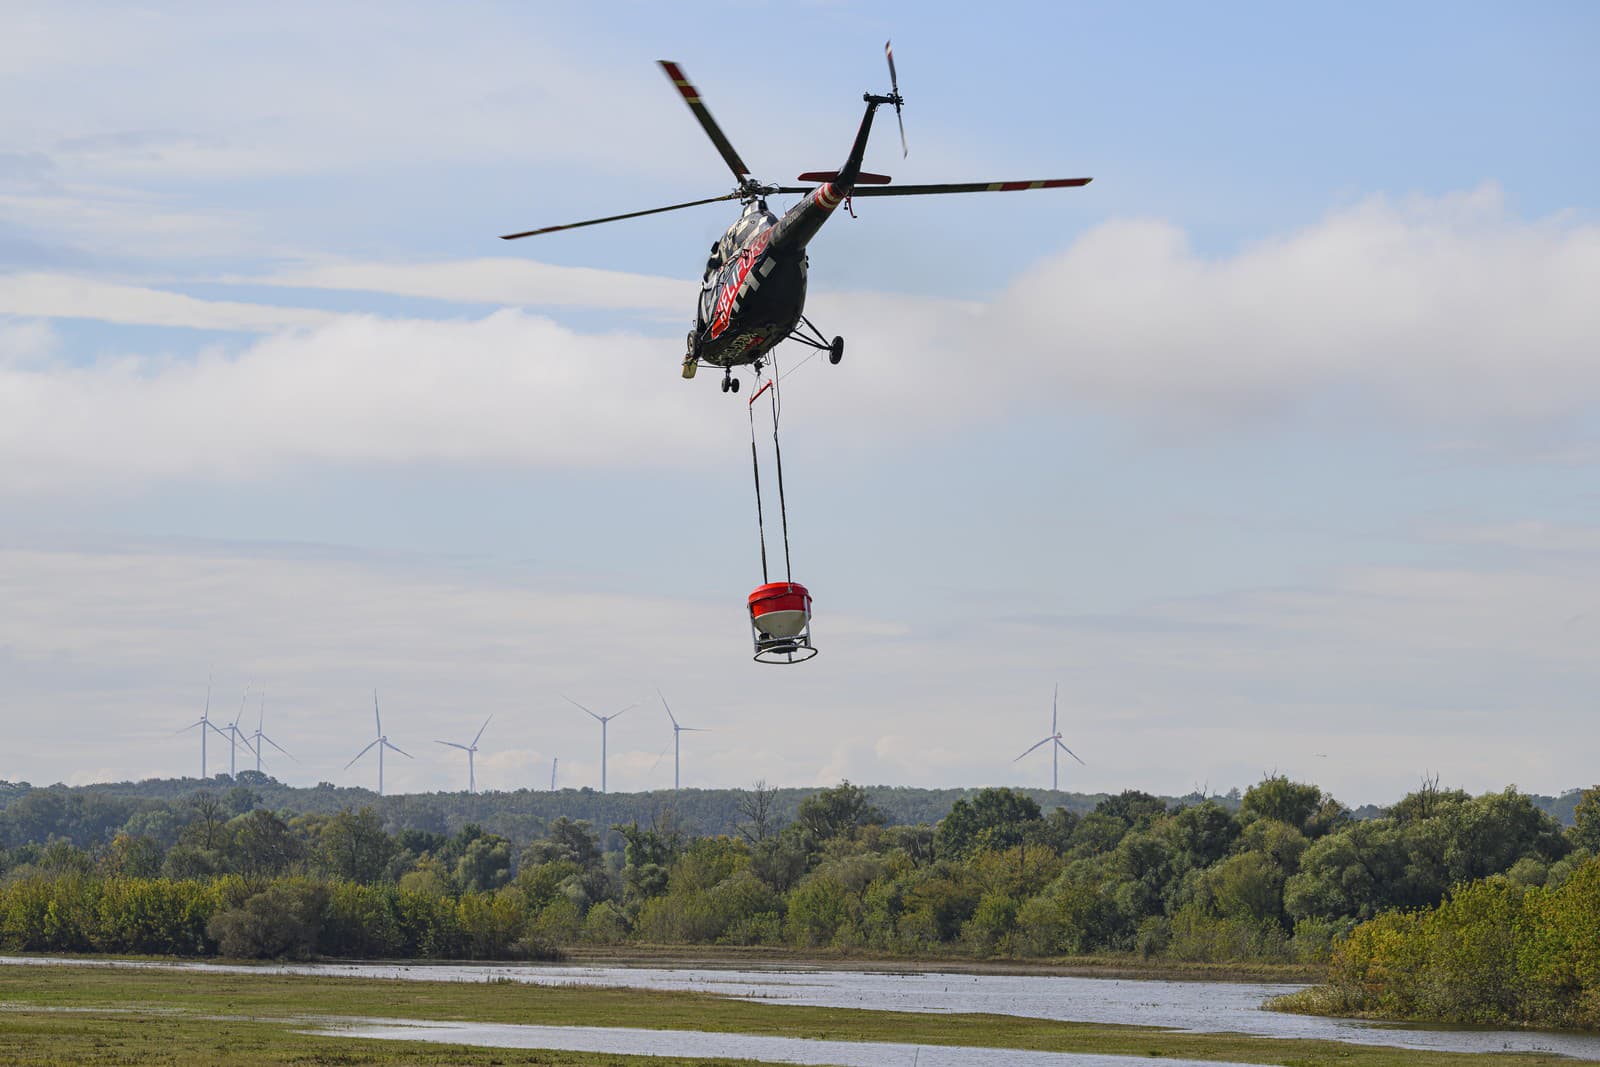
x,y
753,290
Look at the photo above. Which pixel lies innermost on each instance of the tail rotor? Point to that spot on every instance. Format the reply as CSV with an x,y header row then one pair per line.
x,y
894,91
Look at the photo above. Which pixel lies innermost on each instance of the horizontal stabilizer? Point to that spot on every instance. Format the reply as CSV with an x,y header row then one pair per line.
x,y
832,175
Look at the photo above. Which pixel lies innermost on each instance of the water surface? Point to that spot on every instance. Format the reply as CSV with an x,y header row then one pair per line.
x,y
691,1044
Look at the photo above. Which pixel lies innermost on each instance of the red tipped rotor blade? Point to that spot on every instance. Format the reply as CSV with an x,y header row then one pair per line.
x,y
615,218
970,187
691,96
894,87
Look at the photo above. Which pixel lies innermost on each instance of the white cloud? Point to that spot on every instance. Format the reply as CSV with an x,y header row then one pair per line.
x,y
502,280
1440,309
67,296
1446,313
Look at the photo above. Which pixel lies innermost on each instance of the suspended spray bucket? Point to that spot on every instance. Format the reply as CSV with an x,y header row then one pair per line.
x,y
780,623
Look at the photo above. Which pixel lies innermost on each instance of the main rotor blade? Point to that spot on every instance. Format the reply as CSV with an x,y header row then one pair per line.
x,y
691,96
1069,751
967,187
481,729
363,752
1046,741
616,218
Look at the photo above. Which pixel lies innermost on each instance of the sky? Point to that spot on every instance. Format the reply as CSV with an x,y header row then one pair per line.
x,y
1274,447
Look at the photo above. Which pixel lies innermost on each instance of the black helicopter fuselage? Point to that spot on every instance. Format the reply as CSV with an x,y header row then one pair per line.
x,y
754,289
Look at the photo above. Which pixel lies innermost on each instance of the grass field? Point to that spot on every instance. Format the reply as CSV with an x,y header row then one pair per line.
x,y
85,1015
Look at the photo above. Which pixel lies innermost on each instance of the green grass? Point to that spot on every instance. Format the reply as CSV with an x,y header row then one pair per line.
x,y
172,1017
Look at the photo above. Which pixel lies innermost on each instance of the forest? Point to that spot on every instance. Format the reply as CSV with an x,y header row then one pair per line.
x,y
1282,873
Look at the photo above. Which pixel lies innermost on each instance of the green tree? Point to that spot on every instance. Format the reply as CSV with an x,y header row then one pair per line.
x,y
355,847
837,812
282,920
263,845
485,864
995,818
1275,797
1585,831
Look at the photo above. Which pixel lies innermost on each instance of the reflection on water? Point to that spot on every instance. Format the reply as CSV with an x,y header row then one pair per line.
x,y
1206,1007
691,1044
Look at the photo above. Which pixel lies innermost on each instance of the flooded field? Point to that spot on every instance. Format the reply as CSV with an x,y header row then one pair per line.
x,y
1205,1007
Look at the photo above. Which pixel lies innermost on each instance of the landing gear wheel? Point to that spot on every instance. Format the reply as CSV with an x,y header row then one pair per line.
x,y
725,382
735,385
836,350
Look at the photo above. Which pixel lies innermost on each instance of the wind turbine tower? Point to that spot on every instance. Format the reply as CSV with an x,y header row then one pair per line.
x,y
381,743
471,751
260,737
604,720
234,735
553,761
1055,749
205,724
676,730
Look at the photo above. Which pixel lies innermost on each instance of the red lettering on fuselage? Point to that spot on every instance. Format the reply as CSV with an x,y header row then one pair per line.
x,y
731,288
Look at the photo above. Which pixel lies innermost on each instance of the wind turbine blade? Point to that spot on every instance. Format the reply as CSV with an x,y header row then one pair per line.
x,y
191,726
695,729
1069,751
207,713
1046,741
575,704
664,704
481,729
614,714
363,752
217,728
659,756
1054,697
375,716
452,744
279,747
261,716
243,701
400,750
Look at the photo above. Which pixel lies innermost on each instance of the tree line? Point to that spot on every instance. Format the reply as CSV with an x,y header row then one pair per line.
x,y
1510,948
1285,875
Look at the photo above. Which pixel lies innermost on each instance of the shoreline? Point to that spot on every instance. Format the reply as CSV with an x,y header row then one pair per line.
x,y
1116,967
729,958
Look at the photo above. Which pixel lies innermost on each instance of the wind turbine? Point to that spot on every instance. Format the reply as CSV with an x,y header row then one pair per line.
x,y
381,743
234,734
676,730
471,750
260,737
205,723
553,761
1055,735
603,720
